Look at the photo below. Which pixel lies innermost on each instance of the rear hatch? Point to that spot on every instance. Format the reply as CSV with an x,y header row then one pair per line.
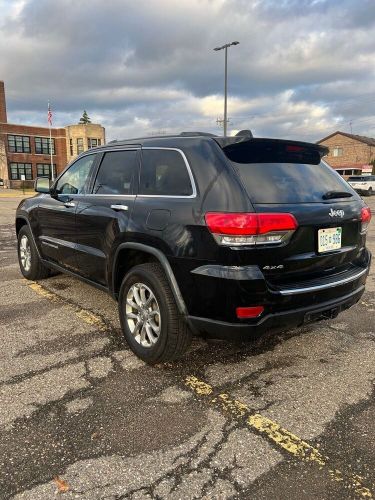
x,y
290,177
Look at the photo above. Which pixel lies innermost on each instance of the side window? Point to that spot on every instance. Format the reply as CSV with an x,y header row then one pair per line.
x,y
74,179
164,173
116,173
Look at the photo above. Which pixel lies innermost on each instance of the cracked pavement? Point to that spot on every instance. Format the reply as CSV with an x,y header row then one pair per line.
x,y
77,406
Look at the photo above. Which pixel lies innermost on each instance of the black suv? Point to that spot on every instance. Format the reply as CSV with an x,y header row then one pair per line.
x,y
194,233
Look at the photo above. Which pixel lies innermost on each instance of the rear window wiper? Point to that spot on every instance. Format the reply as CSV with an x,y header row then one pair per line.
x,y
329,195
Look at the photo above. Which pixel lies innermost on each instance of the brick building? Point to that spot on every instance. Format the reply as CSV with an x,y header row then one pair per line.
x,y
81,137
25,149
349,154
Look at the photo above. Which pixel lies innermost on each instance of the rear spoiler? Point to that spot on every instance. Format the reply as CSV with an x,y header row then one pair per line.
x,y
263,149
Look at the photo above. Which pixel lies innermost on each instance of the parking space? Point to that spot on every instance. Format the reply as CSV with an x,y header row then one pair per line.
x,y
285,416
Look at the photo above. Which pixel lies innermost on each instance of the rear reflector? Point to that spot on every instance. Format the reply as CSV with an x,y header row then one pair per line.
x,y
249,312
250,228
365,218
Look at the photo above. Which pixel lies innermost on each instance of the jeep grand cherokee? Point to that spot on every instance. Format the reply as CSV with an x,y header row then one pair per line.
x,y
194,233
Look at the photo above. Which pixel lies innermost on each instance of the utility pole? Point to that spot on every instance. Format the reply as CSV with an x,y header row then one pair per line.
x,y
220,121
225,47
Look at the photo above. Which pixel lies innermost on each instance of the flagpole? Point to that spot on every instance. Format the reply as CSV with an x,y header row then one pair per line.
x,y
50,141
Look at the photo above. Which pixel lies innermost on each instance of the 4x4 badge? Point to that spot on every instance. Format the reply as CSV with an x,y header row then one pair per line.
x,y
336,213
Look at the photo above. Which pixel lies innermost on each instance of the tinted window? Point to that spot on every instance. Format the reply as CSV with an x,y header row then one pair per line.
x,y
357,178
116,173
73,180
289,182
164,173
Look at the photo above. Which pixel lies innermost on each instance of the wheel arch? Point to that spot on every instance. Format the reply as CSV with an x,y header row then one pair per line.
x,y
152,255
22,221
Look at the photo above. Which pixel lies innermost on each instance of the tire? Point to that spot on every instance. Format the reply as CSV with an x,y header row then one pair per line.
x,y
28,258
157,336
369,191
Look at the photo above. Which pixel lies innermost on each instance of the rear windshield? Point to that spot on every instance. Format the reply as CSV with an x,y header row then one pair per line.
x,y
289,182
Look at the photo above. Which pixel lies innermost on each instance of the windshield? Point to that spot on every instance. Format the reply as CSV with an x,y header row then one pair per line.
x,y
289,182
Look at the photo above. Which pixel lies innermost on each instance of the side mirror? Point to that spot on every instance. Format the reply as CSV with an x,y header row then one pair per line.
x,y
42,185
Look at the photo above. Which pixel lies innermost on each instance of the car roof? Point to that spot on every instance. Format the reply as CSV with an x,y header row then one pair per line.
x,y
165,140
179,140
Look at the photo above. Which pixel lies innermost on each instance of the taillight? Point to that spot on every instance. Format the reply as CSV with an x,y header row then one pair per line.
x,y
239,229
365,219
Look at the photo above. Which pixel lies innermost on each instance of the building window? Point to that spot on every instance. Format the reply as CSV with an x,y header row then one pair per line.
x,y
71,147
42,146
79,145
44,170
337,151
19,144
93,143
18,169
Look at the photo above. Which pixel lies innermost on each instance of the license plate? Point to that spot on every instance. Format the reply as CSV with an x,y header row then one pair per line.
x,y
329,239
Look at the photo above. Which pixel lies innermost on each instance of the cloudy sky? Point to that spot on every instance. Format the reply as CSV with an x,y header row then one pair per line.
x,y
303,68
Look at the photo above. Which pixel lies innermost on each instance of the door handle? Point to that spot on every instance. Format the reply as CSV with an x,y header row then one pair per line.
x,y
120,207
69,204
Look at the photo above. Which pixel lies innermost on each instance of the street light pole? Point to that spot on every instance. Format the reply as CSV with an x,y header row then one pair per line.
x,y
226,92
225,47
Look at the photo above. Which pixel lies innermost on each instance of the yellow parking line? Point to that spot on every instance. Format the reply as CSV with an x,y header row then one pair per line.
x,y
42,291
279,436
272,430
85,315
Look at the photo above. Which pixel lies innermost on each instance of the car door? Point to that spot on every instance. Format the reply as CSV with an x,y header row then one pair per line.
x,y
103,214
164,201
56,214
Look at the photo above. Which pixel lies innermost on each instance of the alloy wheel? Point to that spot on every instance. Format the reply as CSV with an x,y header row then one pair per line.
x,y
143,315
25,253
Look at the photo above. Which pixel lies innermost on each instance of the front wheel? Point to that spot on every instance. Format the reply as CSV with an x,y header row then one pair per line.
x,y
150,320
369,191
28,258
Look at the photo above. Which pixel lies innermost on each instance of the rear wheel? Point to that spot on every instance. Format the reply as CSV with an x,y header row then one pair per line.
x,y
28,258
369,191
150,320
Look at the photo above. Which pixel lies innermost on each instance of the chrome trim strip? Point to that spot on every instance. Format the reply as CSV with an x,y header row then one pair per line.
x,y
48,240
130,196
322,287
190,173
49,244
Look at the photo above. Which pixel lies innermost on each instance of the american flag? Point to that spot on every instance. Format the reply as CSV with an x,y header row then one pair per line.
x,y
49,115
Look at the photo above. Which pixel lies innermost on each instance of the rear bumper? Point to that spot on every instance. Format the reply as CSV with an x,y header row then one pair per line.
x,y
277,321
285,306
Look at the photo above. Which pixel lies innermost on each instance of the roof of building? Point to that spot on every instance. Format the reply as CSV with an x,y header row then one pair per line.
x,y
361,138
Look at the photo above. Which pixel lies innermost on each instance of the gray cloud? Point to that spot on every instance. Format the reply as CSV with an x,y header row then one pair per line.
x,y
303,67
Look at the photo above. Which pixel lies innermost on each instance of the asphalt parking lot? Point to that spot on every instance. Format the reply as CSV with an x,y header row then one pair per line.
x,y
289,416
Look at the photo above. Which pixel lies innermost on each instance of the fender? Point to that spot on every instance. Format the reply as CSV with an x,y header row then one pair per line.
x,y
23,217
165,265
